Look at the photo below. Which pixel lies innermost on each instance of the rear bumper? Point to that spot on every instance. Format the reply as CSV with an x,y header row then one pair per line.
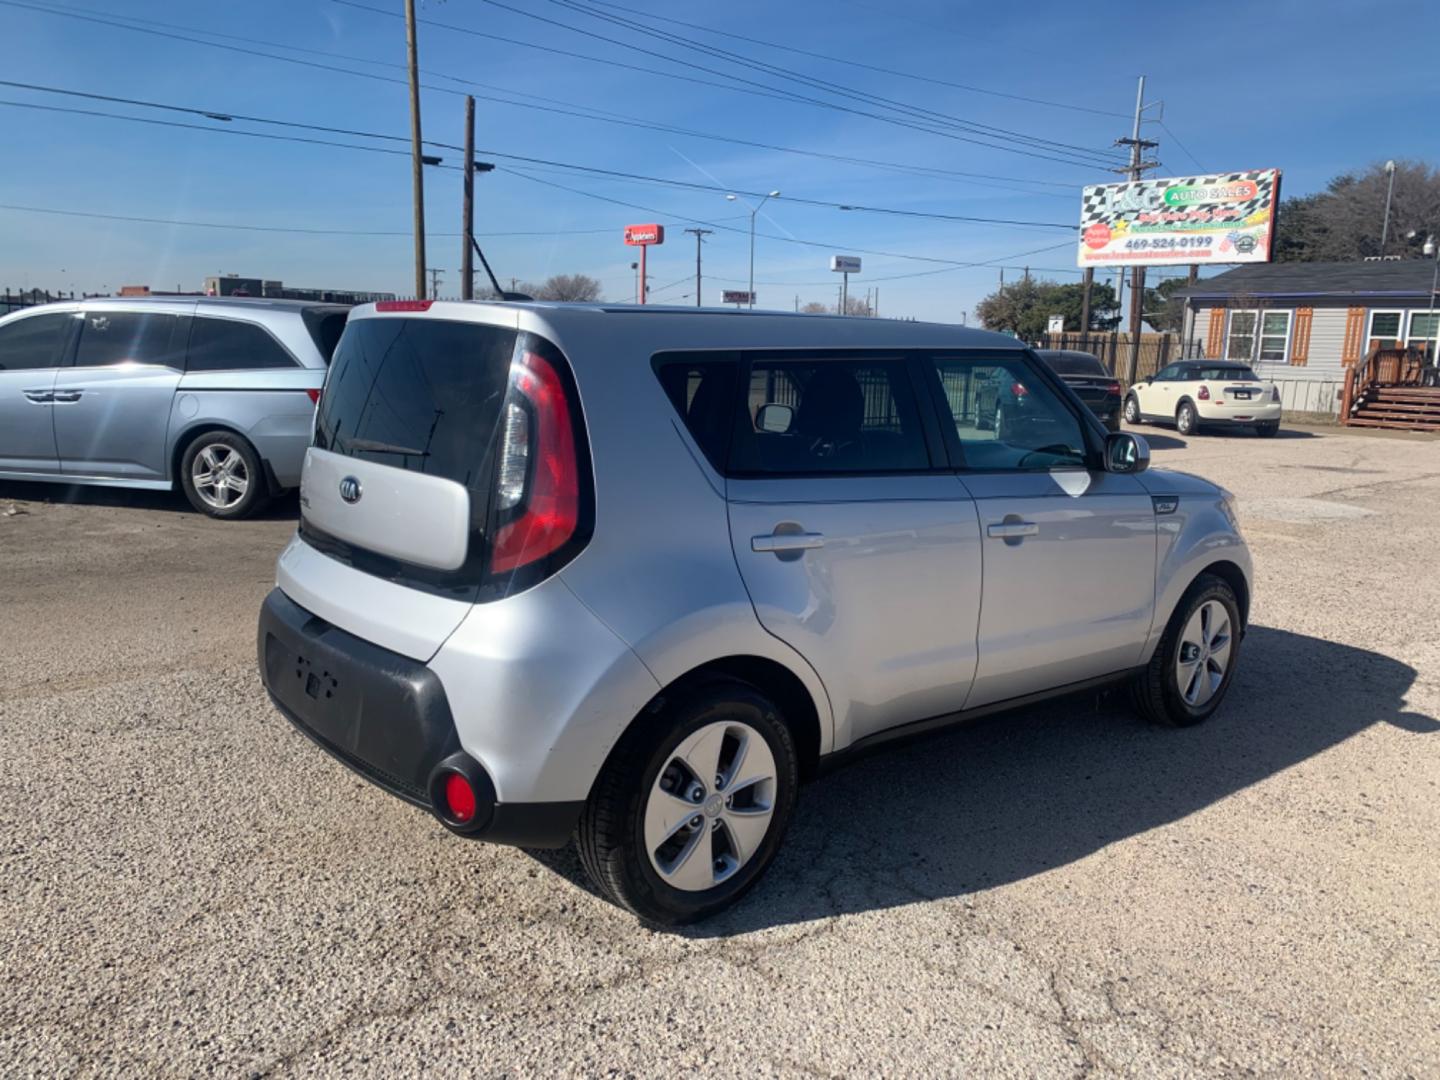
x,y
385,716
1239,413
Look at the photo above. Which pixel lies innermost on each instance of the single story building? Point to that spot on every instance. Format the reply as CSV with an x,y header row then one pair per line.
x,y
1302,325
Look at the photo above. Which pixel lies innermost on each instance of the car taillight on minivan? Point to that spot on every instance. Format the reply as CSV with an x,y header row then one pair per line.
x,y
537,482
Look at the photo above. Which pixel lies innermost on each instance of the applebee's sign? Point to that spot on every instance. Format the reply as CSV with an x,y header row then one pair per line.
x,y
644,235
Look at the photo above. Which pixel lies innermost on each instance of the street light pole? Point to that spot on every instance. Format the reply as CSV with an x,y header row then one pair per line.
x,y
753,211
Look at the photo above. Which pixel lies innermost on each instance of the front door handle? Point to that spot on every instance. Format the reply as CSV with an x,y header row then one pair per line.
x,y
67,397
38,397
1012,530
778,542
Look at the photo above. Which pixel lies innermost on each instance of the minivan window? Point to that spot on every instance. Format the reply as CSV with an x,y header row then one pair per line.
x,y
32,343
703,393
807,417
232,345
1006,418
325,325
111,338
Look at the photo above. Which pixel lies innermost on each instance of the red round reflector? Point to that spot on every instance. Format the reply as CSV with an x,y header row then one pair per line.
x,y
459,798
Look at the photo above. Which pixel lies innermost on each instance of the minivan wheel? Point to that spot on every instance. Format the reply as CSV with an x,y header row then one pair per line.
x,y
692,805
222,476
1185,418
1191,670
1132,410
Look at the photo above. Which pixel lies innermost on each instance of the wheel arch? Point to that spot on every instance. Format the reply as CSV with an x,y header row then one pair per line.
x,y
797,706
1232,575
186,436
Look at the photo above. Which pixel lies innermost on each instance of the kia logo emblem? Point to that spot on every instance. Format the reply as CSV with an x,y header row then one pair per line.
x,y
350,489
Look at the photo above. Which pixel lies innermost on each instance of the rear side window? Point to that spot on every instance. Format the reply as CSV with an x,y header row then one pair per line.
x,y
809,417
111,338
325,326
232,345
703,393
32,343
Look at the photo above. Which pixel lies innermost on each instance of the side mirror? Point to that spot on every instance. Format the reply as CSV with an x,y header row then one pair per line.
x,y
1126,453
776,419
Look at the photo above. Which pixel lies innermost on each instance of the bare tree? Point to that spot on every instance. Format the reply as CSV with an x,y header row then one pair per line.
x,y
575,287
814,307
855,305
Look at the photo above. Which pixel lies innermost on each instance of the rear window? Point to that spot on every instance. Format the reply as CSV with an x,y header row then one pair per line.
x,y
325,326
1069,363
1216,374
418,394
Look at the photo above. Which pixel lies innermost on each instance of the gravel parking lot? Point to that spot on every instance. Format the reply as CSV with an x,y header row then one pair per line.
x,y
188,886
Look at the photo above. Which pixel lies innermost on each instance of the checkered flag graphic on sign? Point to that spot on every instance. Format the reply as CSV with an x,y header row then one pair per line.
x,y
1109,203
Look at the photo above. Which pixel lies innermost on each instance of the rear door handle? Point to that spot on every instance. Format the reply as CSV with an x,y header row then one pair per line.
x,y
1011,530
67,397
38,397
787,542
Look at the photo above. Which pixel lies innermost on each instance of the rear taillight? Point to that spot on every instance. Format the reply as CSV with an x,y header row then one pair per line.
x,y
538,478
1018,390
1113,390
1204,394
314,396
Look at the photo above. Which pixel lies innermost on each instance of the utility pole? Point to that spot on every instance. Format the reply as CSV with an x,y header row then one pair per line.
x,y
1135,170
434,273
700,235
1389,192
467,232
876,312
1087,286
417,165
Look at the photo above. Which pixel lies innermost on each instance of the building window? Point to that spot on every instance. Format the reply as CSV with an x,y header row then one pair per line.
x,y
1384,330
1423,331
1274,333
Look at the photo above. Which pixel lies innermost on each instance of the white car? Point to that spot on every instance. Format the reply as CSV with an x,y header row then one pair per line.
x,y
1205,393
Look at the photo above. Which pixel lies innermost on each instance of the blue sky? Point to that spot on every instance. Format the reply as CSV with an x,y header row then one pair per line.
x,y
1292,84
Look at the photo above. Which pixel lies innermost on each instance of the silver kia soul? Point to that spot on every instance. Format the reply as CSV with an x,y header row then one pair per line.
x,y
630,575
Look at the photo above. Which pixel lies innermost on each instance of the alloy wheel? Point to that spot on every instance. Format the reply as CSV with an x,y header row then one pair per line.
x,y
710,809
219,476
1204,653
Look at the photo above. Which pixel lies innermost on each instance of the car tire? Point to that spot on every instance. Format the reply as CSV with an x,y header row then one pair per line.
x,y
650,783
1268,430
1187,678
223,477
1187,421
1132,409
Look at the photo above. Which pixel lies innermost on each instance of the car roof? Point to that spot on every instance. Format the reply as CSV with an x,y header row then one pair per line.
x,y
1076,353
576,327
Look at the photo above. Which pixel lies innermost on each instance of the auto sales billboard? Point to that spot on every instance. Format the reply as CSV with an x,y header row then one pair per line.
x,y
1223,218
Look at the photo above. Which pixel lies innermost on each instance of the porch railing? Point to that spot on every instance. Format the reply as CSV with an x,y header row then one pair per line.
x,y
1383,367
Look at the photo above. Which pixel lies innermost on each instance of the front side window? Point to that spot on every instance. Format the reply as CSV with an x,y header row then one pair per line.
x,y
806,417
32,343
112,338
232,345
1005,418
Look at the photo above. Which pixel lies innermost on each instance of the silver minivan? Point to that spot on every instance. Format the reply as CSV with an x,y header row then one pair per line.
x,y
631,574
214,396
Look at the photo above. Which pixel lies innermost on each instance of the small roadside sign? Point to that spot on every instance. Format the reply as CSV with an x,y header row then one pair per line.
x,y
737,296
1055,324
845,264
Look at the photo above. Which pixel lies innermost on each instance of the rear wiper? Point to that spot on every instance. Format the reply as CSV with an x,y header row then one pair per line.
x,y
373,447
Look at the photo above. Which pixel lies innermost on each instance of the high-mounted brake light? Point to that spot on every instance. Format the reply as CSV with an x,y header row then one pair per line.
x,y
1204,394
314,396
538,470
403,305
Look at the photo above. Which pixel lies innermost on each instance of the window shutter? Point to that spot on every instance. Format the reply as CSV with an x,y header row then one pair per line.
x,y
1300,345
1354,335
1215,339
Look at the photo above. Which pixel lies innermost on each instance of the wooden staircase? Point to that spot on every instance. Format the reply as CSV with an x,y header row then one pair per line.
x,y
1392,388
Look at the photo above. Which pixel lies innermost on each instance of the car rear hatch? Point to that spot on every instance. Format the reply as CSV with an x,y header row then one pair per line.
x,y
445,472
1099,392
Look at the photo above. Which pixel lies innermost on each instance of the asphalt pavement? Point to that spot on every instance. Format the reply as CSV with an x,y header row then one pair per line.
x,y
187,886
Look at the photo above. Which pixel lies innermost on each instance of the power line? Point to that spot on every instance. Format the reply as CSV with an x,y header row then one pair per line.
x,y
224,116
556,106
826,85
859,63
1195,161
631,47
